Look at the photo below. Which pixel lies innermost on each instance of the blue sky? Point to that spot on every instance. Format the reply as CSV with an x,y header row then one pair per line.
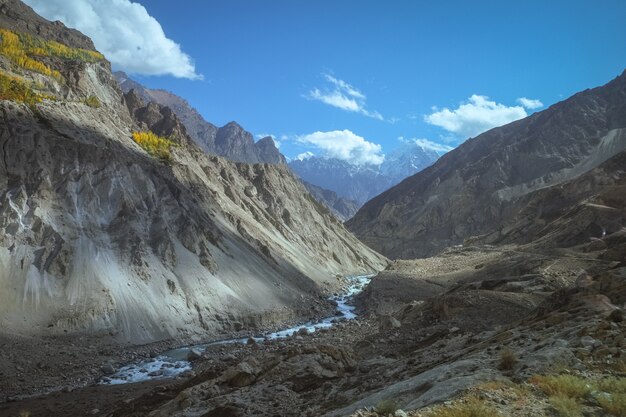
x,y
348,78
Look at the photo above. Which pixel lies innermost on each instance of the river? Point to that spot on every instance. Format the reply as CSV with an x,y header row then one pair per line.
x,y
174,362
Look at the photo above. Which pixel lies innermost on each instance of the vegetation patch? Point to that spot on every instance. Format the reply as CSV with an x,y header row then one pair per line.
x,y
472,407
386,407
93,101
18,90
156,146
23,50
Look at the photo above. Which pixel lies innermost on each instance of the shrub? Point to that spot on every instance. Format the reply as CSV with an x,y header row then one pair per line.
x,y
156,146
386,407
566,406
614,404
508,360
92,101
473,407
566,385
22,49
16,89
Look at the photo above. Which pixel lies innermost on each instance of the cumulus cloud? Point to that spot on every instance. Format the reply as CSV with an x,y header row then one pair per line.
x,y
343,96
427,145
345,145
474,117
530,103
124,32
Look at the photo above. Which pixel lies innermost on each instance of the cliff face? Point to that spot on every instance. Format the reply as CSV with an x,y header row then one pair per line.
x,y
98,235
481,184
230,141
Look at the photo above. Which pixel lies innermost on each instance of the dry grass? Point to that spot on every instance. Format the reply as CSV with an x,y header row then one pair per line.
x,y
614,404
93,101
472,407
508,360
566,406
563,385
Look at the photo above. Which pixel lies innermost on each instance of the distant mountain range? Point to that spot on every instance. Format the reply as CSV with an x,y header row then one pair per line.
x,y
552,176
360,183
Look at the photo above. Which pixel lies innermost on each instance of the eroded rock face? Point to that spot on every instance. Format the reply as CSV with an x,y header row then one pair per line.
x,y
99,236
480,185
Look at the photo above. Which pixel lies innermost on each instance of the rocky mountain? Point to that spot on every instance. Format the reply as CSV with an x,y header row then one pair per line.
x,y
339,206
509,183
362,182
115,222
230,141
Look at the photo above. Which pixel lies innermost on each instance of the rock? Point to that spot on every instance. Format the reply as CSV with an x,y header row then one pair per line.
x,y
387,322
251,341
616,316
194,354
303,331
400,413
108,369
242,375
237,326
589,342
156,373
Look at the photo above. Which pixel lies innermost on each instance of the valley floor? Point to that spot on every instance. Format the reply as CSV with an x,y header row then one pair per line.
x,y
472,327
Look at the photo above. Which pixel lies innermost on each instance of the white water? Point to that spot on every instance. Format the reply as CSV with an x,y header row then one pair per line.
x,y
174,362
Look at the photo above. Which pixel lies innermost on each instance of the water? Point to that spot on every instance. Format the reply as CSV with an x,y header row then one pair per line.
x,y
174,362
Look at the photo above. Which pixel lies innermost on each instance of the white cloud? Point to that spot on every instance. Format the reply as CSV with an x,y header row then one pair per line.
x,y
530,103
345,145
474,117
124,32
343,96
304,155
427,145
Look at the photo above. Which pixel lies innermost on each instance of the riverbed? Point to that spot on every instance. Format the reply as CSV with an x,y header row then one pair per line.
x,y
175,362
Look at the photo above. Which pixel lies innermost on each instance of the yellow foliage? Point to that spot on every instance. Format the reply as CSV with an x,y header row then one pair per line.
x,y
22,49
16,89
155,145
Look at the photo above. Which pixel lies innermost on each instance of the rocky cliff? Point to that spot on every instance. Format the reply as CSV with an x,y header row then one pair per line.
x,y
339,206
488,181
99,235
230,141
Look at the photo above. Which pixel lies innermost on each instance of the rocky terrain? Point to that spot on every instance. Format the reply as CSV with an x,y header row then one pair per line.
x,y
122,238
101,235
340,207
486,182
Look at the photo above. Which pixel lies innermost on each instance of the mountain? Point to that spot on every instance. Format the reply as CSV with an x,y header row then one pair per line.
x,y
230,141
108,229
487,183
339,206
362,182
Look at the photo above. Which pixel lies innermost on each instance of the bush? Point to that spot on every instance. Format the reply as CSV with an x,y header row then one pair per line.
x,y
156,146
566,406
386,407
23,49
18,90
93,101
614,404
508,360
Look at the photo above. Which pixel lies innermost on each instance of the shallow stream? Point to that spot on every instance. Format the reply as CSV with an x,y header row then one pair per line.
x,y
174,362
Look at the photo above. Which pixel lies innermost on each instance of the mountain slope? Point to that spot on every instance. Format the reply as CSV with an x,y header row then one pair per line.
x,y
230,141
339,206
475,188
98,236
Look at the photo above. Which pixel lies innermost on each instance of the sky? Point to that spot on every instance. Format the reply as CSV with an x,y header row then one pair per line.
x,y
355,79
